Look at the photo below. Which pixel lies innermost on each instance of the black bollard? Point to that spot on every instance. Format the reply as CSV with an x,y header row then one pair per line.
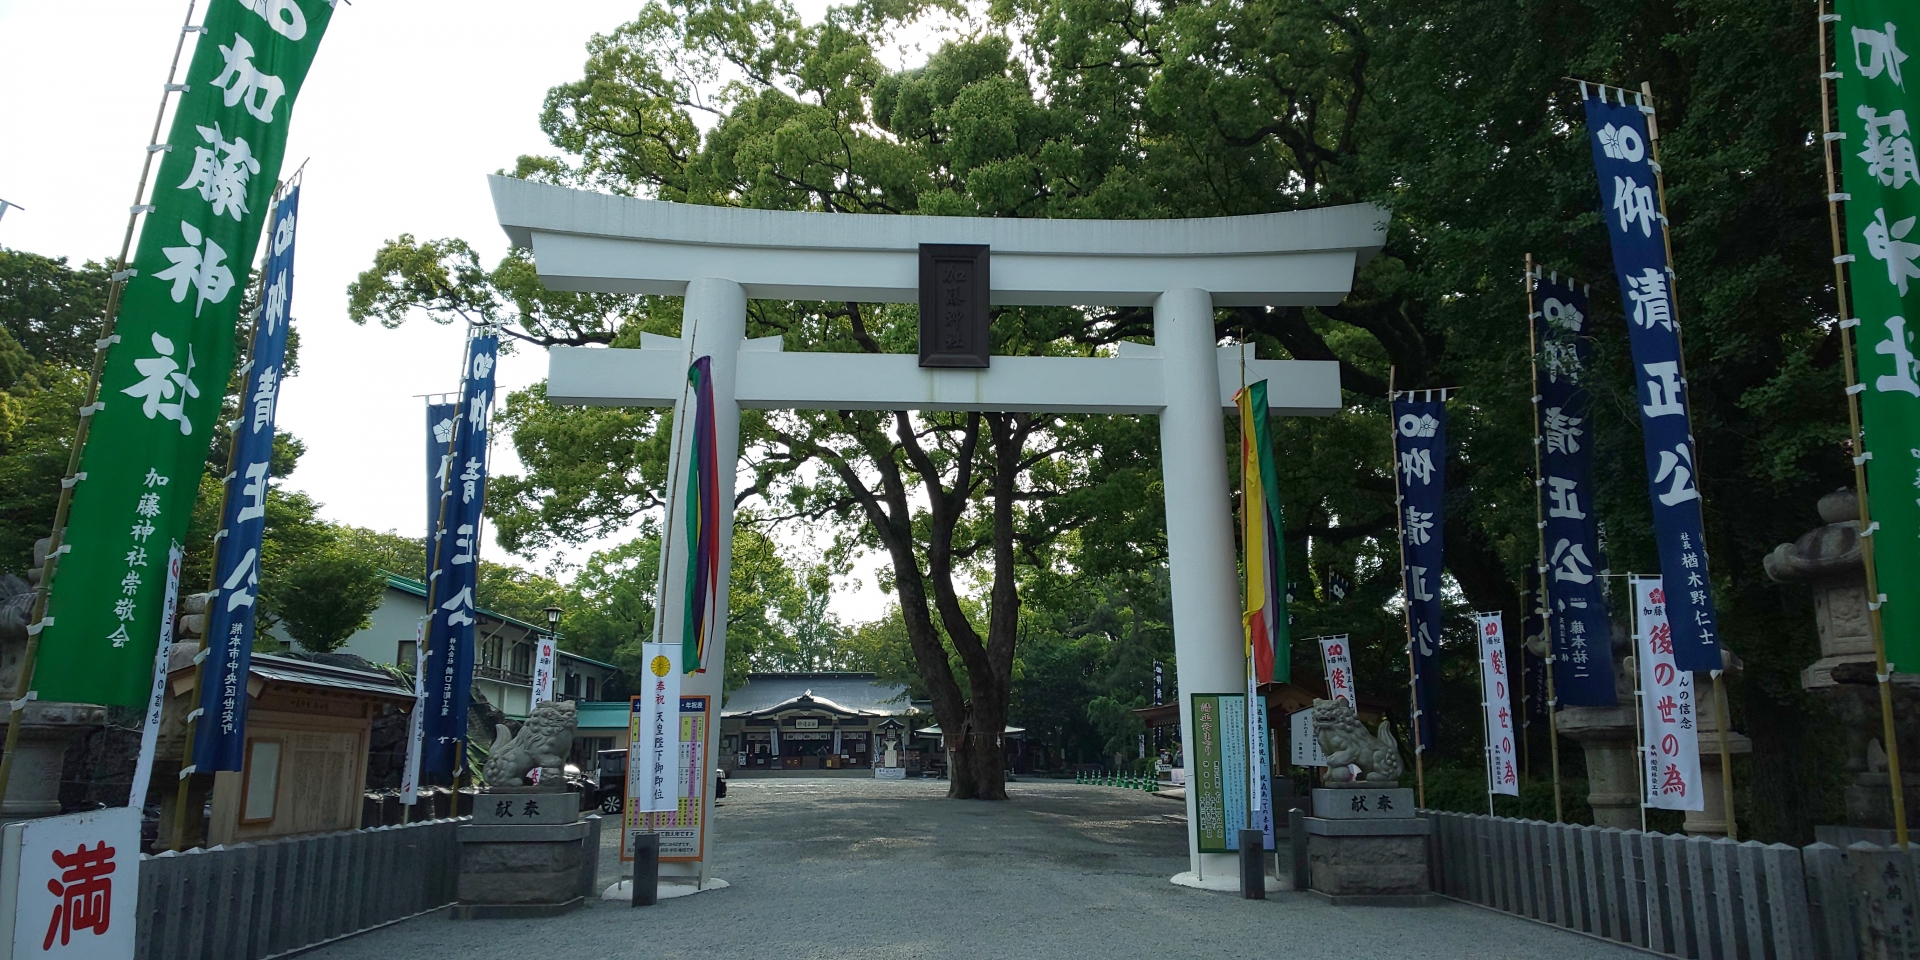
x,y
1253,868
646,869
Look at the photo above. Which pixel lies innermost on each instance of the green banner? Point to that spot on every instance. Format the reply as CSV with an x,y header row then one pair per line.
x,y
161,386
1877,98
1206,771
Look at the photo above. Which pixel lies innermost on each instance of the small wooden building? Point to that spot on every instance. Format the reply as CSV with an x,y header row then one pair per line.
x,y
308,726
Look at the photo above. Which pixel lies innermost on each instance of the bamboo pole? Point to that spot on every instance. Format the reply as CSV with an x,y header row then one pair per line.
x,y
187,768
55,547
1883,671
1640,748
1400,535
1673,296
1540,537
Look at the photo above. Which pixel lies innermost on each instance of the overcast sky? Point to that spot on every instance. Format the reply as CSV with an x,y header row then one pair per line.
x,y
410,104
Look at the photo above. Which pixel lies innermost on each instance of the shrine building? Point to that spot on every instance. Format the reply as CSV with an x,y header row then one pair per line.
x,y
814,721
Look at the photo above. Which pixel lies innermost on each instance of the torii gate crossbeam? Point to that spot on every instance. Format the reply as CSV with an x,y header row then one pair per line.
x,y
719,257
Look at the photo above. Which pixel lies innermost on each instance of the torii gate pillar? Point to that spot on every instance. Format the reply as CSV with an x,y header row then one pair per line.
x,y
719,257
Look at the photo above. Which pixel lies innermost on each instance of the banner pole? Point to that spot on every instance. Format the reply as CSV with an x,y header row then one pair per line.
x,y
1540,547
1480,653
1639,703
1400,535
37,620
1666,239
433,582
213,576
1881,669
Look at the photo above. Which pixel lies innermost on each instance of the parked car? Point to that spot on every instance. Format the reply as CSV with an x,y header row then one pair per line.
x,y
610,792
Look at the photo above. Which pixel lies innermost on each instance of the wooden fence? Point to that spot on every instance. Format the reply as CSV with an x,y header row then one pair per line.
x,y
253,901
1691,897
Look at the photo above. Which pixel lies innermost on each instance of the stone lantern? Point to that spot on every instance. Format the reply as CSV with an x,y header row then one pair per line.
x,y
1828,559
1609,737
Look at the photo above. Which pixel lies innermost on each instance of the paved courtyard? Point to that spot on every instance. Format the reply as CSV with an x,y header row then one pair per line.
x,y
865,869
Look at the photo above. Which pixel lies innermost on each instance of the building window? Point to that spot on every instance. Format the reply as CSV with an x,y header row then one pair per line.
x,y
573,685
523,658
589,688
408,653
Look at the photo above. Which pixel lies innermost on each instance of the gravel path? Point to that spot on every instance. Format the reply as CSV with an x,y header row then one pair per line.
x,y
893,870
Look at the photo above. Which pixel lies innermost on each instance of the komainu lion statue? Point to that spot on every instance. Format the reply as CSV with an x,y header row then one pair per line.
x,y
1345,741
543,743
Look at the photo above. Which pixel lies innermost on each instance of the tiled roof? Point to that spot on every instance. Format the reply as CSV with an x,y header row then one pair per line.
x,y
853,693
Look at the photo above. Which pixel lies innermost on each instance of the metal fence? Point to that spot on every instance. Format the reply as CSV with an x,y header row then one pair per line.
x,y
1682,896
253,901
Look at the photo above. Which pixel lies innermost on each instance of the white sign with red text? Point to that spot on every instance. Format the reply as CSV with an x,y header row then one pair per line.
x,y
70,886
1497,683
1668,718
1337,655
543,672
652,780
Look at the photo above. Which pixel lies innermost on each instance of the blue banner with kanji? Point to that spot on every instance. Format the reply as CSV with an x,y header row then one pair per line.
x,y
1577,610
220,736
1420,461
440,418
1630,207
454,577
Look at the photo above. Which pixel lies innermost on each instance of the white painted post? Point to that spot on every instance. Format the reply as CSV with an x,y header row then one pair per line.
x,y
714,323
1207,635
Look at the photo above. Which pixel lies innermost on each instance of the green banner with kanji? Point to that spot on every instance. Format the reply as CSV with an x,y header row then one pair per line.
x,y
165,372
1882,204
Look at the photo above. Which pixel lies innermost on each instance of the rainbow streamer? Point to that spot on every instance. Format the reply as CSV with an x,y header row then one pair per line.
x,y
1268,643
703,523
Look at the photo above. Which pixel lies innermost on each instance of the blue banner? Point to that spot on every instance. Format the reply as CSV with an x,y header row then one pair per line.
x,y
220,736
1420,462
440,418
1630,206
455,574
1577,617
1533,627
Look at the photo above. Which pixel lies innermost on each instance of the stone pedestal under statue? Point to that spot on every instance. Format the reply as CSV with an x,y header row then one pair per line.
x,y
527,853
47,729
1366,848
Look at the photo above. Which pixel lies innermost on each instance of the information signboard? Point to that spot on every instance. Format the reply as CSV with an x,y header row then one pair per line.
x,y
681,832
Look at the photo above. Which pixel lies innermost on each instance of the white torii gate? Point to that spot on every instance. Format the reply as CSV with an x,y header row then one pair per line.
x,y
719,257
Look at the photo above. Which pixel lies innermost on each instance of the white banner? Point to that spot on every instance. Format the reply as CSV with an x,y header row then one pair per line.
x,y
1338,658
72,885
543,671
1667,712
652,781
1306,746
157,697
1502,771
410,776
1256,745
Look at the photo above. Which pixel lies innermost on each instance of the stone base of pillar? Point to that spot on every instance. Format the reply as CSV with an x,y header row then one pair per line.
x,y
33,788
